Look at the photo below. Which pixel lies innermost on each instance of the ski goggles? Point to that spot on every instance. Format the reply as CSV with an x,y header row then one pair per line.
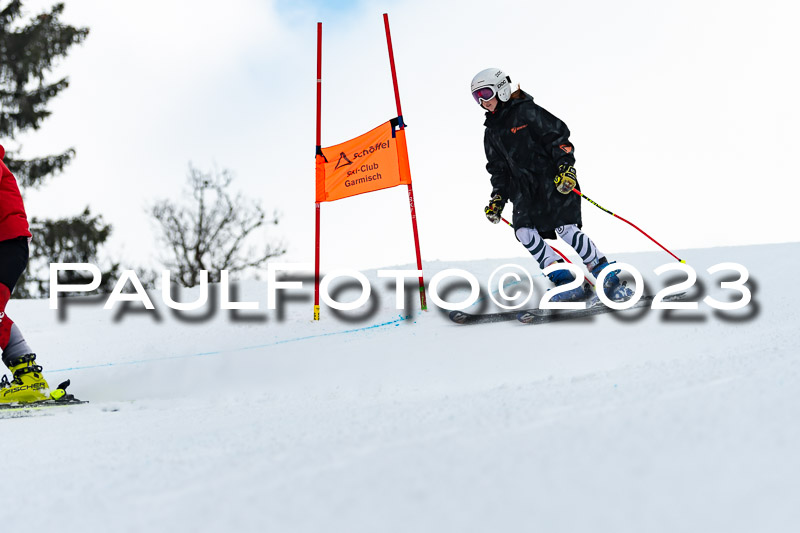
x,y
484,94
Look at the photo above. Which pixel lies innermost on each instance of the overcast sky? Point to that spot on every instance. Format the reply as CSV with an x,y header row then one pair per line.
x,y
683,114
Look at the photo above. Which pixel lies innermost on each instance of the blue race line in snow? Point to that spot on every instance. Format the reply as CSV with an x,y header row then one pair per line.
x,y
395,322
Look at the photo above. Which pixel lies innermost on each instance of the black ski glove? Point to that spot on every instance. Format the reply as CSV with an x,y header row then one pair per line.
x,y
495,208
566,179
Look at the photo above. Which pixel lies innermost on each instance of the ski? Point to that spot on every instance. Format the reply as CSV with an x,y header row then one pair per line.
x,y
44,404
65,399
544,316
540,316
460,317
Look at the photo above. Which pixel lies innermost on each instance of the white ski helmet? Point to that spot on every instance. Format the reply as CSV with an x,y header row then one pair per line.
x,y
494,79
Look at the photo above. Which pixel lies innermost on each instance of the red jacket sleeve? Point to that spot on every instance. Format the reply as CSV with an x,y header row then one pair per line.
x,y
13,221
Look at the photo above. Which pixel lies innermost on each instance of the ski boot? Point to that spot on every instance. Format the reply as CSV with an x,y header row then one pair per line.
x,y
562,277
27,384
614,288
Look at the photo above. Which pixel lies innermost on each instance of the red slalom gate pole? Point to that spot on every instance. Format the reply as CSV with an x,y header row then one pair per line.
x,y
556,250
318,153
579,193
412,205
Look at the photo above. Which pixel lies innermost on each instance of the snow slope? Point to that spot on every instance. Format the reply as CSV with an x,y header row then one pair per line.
x,y
680,421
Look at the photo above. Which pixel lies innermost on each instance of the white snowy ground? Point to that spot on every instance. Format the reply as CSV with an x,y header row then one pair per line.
x,y
690,423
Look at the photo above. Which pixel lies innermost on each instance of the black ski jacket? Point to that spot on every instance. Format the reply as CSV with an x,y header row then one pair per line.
x,y
524,146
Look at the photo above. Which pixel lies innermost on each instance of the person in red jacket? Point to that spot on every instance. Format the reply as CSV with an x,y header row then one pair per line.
x,y
27,383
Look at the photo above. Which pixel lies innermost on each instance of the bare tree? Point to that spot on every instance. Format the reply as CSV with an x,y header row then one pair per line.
x,y
211,231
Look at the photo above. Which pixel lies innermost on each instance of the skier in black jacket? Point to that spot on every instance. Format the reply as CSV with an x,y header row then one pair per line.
x,y
530,159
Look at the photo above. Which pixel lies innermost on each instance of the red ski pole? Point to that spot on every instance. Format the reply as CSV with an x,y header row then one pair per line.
x,y
579,193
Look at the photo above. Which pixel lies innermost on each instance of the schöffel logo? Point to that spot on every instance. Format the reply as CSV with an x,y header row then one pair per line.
x,y
515,130
343,161
567,148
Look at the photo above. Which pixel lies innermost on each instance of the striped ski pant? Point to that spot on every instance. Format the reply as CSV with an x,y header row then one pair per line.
x,y
545,255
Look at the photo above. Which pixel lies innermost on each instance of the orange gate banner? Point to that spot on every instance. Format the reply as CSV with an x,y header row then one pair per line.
x,y
375,160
